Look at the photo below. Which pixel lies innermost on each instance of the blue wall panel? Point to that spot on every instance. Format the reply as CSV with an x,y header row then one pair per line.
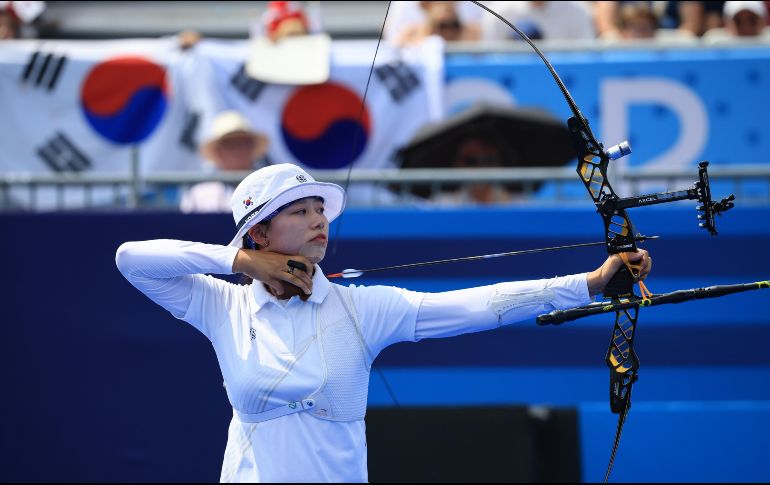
x,y
665,442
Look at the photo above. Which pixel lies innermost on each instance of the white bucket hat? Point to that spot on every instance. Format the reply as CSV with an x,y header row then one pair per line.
x,y
231,123
274,186
731,9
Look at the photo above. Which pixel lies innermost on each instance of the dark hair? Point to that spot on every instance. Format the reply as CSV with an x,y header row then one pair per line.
x,y
249,243
636,10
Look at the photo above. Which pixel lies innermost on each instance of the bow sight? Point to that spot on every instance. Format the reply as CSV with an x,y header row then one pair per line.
x,y
592,168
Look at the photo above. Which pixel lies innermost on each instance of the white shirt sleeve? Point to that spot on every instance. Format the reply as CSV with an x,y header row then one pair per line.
x,y
387,314
167,270
475,309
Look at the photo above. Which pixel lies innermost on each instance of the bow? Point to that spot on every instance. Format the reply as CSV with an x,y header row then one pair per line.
x,y
620,238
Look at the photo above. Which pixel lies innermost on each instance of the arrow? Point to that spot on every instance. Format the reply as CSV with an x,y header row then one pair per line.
x,y
355,273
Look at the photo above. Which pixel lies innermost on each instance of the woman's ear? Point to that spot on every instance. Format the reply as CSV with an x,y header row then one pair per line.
x,y
258,234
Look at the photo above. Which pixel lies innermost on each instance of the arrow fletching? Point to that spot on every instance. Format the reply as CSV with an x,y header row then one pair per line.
x,y
346,273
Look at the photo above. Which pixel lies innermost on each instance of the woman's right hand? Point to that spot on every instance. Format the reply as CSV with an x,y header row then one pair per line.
x,y
272,269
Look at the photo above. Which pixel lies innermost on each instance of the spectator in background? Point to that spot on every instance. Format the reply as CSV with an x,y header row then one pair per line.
x,y
745,18
283,19
442,19
692,17
712,15
636,20
288,46
686,19
9,25
187,39
232,146
544,20
408,16
607,18
475,151
16,19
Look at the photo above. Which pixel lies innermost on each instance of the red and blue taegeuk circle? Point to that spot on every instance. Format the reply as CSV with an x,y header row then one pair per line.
x,y
323,125
124,98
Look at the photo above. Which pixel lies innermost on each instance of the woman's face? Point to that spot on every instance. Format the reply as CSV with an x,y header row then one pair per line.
x,y
301,228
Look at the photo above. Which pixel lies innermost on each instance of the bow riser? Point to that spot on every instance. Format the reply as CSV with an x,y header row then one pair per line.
x,y
592,169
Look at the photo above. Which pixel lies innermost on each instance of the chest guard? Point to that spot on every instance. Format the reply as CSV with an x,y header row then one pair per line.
x,y
346,361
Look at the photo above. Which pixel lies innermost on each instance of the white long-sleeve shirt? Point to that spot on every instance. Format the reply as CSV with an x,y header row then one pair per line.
x,y
268,353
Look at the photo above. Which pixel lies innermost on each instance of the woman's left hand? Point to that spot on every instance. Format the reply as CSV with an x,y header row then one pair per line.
x,y
598,279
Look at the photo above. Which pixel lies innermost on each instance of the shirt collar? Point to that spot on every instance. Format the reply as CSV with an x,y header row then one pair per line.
x,y
321,287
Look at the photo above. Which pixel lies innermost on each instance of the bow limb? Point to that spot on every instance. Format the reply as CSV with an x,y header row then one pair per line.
x,y
593,161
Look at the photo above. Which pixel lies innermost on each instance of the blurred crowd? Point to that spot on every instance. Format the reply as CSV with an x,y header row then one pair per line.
x,y
410,22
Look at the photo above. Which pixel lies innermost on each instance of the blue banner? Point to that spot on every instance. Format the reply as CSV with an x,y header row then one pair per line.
x,y
675,106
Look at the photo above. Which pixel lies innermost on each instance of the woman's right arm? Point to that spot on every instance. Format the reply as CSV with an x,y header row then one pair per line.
x,y
164,269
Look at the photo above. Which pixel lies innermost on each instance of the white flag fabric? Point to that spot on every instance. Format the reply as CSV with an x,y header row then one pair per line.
x,y
323,126
78,106
85,106
103,97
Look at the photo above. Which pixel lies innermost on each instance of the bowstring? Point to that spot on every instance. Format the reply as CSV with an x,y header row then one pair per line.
x,y
347,183
360,120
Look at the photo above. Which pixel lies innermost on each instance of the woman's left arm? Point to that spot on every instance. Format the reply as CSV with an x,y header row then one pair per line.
x,y
487,307
475,309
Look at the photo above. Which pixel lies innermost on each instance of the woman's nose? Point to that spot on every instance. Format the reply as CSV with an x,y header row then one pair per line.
x,y
319,221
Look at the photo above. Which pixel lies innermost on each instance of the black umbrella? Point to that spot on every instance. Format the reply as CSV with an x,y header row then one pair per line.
x,y
527,137
490,136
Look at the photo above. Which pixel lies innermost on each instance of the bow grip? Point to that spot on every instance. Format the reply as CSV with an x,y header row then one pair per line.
x,y
621,284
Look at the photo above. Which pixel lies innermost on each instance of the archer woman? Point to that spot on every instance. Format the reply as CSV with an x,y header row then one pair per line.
x,y
294,349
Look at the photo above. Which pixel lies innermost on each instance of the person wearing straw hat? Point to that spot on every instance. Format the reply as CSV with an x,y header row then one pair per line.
x,y
231,146
295,350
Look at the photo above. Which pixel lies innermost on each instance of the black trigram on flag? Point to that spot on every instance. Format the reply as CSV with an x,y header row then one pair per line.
x,y
43,70
63,156
247,85
398,78
188,138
